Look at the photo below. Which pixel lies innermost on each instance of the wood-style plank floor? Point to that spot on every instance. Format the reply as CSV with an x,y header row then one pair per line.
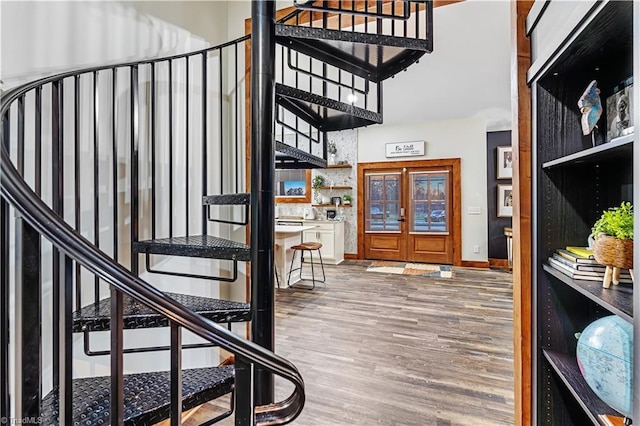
x,y
382,349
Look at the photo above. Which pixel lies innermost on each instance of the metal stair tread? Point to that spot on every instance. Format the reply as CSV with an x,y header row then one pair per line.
x,y
373,56
289,157
240,199
205,246
146,396
96,316
340,115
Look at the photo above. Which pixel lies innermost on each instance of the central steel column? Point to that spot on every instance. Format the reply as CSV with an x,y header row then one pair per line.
x,y
262,183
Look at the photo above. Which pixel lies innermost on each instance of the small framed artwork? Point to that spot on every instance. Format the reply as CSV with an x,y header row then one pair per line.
x,y
505,201
620,113
505,161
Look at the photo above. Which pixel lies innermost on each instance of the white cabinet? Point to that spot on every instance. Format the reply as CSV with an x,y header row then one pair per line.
x,y
331,236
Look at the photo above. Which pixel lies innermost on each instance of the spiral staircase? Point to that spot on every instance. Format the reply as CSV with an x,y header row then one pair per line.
x,y
107,166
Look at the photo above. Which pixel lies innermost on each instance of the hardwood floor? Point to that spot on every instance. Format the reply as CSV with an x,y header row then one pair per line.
x,y
397,349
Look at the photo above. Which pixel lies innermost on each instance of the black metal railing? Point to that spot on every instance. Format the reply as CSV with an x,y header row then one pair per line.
x,y
88,158
407,19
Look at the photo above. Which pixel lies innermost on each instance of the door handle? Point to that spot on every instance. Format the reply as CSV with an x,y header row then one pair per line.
x,y
401,219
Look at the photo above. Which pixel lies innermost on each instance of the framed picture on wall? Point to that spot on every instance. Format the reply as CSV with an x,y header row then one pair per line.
x,y
504,160
620,113
505,201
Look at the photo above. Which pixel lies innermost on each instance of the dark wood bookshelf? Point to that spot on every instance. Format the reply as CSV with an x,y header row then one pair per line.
x,y
618,149
618,299
566,367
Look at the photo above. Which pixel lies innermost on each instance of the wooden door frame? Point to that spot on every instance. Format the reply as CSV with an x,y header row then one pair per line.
x,y
456,199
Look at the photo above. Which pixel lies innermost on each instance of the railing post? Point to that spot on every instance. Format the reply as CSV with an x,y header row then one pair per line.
x,y
5,402
243,393
176,374
117,367
262,194
28,303
65,345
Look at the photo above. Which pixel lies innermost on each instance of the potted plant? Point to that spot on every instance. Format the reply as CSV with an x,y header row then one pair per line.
x,y
332,149
346,199
317,182
613,245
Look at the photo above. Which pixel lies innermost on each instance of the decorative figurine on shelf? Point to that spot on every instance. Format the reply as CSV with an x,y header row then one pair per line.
x,y
332,150
591,109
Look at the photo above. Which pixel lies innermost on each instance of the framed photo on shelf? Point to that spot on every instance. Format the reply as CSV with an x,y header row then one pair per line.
x,y
620,113
505,161
505,201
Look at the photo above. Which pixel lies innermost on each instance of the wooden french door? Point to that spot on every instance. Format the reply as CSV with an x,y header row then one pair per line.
x,y
410,211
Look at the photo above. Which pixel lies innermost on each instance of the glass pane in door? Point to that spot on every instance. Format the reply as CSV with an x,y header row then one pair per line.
x,y
429,201
382,202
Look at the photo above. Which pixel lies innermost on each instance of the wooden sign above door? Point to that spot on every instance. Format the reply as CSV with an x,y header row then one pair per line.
x,y
404,149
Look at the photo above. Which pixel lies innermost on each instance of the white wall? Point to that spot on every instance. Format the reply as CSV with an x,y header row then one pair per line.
x,y
464,139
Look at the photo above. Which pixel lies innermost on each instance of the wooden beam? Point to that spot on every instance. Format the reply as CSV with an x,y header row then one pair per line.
x,y
522,190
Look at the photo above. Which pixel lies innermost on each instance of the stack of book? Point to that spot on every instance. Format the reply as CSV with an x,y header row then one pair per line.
x,y
579,264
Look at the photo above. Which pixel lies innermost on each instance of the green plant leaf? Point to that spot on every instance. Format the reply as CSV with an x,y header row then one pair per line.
x,y
616,222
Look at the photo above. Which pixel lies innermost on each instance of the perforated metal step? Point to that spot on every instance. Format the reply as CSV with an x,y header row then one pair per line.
x,y
195,246
146,396
95,317
242,199
323,113
289,157
371,56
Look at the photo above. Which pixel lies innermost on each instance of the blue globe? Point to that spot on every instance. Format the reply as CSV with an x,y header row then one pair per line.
x,y
605,358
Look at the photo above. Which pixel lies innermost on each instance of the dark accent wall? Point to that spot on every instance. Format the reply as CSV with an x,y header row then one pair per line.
x,y
497,240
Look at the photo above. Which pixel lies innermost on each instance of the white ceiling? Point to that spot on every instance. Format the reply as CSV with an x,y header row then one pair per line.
x,y
468,73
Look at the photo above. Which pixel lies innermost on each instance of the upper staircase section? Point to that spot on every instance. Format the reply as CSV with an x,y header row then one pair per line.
x,y
371,39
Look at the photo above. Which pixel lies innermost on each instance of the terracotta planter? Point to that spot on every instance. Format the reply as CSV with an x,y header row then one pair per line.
x,y
615,254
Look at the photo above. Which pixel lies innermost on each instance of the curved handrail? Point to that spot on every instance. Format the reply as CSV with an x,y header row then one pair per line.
x,y
16,191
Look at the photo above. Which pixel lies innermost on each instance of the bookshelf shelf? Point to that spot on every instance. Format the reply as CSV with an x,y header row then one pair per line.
x,y
339,166
335,187
619,149
566,368
616,299
331,205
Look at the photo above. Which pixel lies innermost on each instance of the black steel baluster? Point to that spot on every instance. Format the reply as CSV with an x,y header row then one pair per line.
x,y
21,135
379,22
353,16
393,21
186,147
57,171
116,324
135,217
114,160
170,148
5,403
76,174
242,394
176,374
221,124
204,140
4,295
428,23
28,296
237,122
340,18
153,150
38,142
96,177
405,23
66,344
417,20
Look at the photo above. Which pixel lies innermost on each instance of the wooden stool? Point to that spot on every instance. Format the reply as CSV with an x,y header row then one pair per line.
x,y
303,247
